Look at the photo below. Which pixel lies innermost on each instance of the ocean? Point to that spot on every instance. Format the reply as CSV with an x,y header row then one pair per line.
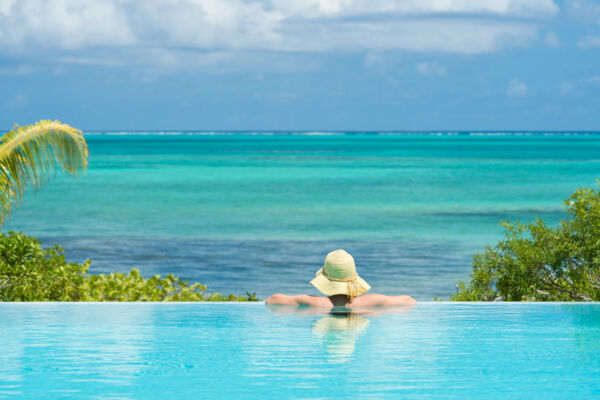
x,y
258,211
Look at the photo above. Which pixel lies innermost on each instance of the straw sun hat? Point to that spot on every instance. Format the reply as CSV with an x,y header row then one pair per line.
x,y
338,276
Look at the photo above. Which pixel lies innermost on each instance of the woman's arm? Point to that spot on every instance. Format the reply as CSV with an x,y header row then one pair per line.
x,y
282,299
299,300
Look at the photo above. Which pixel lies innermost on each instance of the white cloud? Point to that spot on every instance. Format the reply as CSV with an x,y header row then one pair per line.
x,y
63,24
593,79
18,101
583,10
551,40
315,8
388,65
16,70
122,32
589,41
374,60
566,87
430,69
579,86
516,88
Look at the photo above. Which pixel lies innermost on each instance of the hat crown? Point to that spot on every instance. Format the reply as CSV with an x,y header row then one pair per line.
x,y
339,265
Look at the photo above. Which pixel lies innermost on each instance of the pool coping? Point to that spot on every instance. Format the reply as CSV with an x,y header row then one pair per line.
x,y
255,303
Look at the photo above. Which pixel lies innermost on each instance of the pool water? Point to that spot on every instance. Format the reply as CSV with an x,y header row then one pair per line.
x,y
249,351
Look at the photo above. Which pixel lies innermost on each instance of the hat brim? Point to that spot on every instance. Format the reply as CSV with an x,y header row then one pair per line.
x,y
330,288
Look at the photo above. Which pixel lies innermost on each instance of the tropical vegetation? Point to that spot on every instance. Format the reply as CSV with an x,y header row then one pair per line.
x,y
28,272
537,262
29,155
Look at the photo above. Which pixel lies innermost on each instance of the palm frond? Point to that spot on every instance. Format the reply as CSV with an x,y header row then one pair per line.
x,y
30,154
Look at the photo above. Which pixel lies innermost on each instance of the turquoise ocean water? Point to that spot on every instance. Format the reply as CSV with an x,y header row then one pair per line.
x,y
259,211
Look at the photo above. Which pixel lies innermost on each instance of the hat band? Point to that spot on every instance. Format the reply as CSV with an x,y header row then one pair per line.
x,y
331,278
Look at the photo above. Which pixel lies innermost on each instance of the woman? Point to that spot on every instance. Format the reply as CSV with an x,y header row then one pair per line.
x,y
343,287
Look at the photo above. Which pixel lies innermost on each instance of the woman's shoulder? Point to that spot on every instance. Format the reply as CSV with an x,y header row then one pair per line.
x,y
298,300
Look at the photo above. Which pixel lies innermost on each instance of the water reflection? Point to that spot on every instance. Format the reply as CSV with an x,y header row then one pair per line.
x,y
338,333
339,329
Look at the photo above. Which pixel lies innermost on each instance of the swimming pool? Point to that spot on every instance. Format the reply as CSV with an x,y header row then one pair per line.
x,y
247,351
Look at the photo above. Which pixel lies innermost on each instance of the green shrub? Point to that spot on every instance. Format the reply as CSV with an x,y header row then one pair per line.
x,y
536,262
30,273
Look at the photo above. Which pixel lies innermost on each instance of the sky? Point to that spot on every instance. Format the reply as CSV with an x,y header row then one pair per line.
x,y
301,64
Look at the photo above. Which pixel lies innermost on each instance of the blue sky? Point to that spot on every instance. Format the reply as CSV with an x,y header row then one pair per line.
x,y
301,64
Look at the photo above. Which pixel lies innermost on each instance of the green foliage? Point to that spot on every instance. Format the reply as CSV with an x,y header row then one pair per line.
x,y
29,154
30,273
536,262
133,287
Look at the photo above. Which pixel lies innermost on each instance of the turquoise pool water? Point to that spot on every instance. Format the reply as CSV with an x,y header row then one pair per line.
x,y
259,212
246,351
